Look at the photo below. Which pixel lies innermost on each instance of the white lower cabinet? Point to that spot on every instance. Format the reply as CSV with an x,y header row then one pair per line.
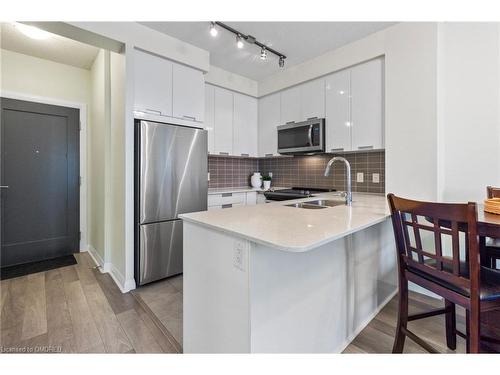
x,y
228,200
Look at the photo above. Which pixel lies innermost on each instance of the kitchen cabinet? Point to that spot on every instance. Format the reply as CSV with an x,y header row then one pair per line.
x,y
354,108
312,99
228,200
244,125
337,103
290,105
367,106
223,121
188,93
209,117
269,119
153,84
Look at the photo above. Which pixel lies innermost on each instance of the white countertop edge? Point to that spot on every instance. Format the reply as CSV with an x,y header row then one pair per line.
x,y
291,249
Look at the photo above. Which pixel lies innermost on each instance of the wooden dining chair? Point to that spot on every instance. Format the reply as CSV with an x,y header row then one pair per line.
x,y
420,229
491,246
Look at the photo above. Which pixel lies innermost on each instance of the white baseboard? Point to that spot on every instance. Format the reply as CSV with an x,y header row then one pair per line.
x,y
366,322
107,267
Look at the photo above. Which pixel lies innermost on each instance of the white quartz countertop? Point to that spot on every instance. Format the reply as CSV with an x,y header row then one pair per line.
x,y
295,229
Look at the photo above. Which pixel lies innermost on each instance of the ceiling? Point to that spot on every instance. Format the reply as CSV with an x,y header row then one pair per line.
x,y
55,47
299,41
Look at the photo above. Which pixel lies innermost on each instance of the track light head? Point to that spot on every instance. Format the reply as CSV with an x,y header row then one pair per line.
x,y
263,53
282,62
239,41
213,29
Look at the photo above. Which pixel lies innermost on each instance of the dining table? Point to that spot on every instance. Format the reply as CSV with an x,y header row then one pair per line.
x,y
488,225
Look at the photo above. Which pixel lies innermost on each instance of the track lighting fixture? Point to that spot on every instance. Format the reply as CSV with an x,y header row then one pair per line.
x,y
239,41
249,39
213,29
282,62
263,53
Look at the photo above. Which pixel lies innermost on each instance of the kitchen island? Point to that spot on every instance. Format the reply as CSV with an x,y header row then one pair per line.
x,y
272,278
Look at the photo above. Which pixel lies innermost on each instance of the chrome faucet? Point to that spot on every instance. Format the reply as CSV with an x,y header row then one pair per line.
x,y
348,193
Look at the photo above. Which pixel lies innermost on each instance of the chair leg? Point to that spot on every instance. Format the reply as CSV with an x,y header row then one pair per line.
x,y
451,325
474,331
399,340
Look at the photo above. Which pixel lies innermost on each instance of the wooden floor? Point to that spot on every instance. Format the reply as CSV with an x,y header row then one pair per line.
x,y
76,309
378,336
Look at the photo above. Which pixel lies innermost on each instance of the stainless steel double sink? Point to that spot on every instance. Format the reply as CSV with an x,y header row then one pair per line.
x,y
317,204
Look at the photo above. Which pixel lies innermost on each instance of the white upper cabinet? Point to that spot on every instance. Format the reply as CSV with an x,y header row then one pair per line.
x,y
188,93
290,105
367,106
153,84
223,121
269,119
312,99
245,125
338,131
209,117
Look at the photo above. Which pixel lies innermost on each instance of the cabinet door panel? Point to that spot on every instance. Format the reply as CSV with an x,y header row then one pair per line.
x,y
245,125
366,99
312,99
223,121
269,119
153,84
209,117
290,105
338,130
188,93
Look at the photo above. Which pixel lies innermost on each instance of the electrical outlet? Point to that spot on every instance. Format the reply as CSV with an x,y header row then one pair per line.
x,y
208,176
360,177
270,174
375,178
239,255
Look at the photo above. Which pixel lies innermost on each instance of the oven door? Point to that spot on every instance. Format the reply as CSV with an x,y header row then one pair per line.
x,y
302,137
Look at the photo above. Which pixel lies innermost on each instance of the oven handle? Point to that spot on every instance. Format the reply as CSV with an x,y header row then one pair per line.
x,y
310,135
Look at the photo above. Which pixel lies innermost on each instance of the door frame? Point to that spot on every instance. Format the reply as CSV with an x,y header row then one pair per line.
x,y
82,107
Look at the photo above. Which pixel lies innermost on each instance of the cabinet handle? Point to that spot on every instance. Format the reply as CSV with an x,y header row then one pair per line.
x,y
365,147
152,111
266,155
227,205
337,149
312,118
291,122
226,195
189,117
223,153
245,155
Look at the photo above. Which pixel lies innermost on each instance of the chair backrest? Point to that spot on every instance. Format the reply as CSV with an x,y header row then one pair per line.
x,y
413,220
493,192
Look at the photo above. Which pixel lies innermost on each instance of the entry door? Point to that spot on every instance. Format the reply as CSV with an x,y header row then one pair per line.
x,y
40,181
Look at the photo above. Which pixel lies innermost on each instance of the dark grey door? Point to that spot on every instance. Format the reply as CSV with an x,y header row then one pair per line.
x,y
40,181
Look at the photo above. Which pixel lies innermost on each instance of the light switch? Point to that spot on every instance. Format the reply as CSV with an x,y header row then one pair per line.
x,y
360,177
375,178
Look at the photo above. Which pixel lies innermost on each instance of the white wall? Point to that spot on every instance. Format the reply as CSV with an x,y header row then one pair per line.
x,y
99,115
469,110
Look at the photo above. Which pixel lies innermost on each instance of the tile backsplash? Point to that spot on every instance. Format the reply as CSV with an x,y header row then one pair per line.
x,y
306,171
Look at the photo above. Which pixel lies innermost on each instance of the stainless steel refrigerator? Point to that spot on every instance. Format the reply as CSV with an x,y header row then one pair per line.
x,y
170,179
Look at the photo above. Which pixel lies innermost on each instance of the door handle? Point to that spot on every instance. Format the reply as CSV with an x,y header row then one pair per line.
x,y
4,186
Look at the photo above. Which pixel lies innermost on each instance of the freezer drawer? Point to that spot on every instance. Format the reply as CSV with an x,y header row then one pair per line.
x,y
160,250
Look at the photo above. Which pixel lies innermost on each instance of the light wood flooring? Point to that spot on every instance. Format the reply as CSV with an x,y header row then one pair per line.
x,y
378,335
76,309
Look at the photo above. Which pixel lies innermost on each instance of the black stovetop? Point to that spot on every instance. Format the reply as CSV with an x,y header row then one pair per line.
x,y
294,193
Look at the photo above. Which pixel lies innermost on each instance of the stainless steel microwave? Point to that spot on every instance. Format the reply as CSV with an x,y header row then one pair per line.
x,y
302,137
